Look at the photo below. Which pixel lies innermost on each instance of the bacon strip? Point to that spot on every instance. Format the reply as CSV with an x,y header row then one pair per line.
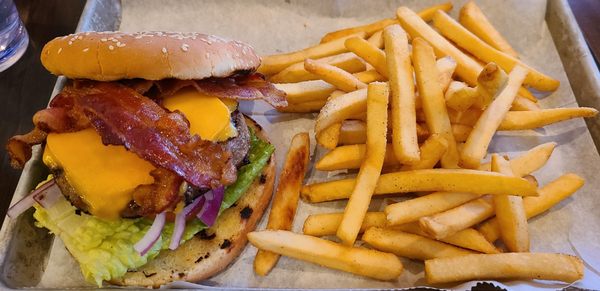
x,y
242,87
124,117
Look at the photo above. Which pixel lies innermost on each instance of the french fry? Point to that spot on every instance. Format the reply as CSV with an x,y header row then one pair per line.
x,y
368,29
372,28
327,223
402,95
446,66
455,32
369,52
338,109
351,157
523,104
410,245
460,97
376,39
468,117
475,21
413,209
427,13
285,200
432,98
510,213
476,146
348,62
306,91
451,221
529,162
369,76
550,195
467,68
370,169
275,63
491,79
447,180
468,238
360,261
334,75
353,132
329,137
305,107
432,151
521,120
540,266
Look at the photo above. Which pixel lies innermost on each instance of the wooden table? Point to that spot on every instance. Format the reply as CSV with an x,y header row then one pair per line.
x,y
26,86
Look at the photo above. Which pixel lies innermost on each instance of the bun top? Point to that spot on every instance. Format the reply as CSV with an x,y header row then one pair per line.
x,y
109,56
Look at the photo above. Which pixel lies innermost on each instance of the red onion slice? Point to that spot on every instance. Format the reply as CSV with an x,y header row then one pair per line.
x,y
27,201
48,197
210,209
177,230
180,221
146,243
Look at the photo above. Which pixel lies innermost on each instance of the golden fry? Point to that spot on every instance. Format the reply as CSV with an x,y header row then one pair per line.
x,y
446,66
348,62
410,245
413,209
338,109
275,63
538,266
370,169
460,97
529,162
510,213
403,117
328,223
285,200
550,195
451,221
334,75
455,32
369,52
521,120
432,150
376,39
432,98
447,180
475,21
329,137
360,261
476,146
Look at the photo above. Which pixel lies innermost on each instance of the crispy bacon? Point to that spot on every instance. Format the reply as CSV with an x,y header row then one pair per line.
x,y
241,87
162,194
124,117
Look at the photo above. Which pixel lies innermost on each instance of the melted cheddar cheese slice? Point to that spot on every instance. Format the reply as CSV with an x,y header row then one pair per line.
x,y
105,176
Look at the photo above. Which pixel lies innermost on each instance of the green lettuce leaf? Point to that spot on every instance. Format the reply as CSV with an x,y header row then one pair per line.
x,y
104,249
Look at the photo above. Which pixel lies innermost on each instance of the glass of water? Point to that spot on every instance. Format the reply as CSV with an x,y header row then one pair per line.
x,y
13,36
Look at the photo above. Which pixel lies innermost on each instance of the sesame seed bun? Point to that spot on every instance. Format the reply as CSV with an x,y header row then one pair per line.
x,y
205,255
109,56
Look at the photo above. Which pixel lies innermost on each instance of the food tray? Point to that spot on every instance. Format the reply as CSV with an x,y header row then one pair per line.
x,y
28,254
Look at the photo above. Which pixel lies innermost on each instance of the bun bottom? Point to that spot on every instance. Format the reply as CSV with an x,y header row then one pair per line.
x,y
205,255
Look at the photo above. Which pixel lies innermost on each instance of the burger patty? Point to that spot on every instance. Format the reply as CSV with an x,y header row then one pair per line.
x,y
238,146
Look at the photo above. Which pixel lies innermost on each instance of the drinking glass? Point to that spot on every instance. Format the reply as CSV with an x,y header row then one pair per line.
x,y
13,36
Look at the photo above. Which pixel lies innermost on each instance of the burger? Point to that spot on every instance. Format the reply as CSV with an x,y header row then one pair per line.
x,y
155,175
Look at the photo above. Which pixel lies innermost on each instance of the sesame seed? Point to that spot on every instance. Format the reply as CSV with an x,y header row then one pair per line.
x,y
70,42
103,39
185,47
164,50
110,47
120,44
86,49
59,50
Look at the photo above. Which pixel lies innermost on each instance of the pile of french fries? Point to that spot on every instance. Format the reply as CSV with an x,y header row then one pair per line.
x,y
414,107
